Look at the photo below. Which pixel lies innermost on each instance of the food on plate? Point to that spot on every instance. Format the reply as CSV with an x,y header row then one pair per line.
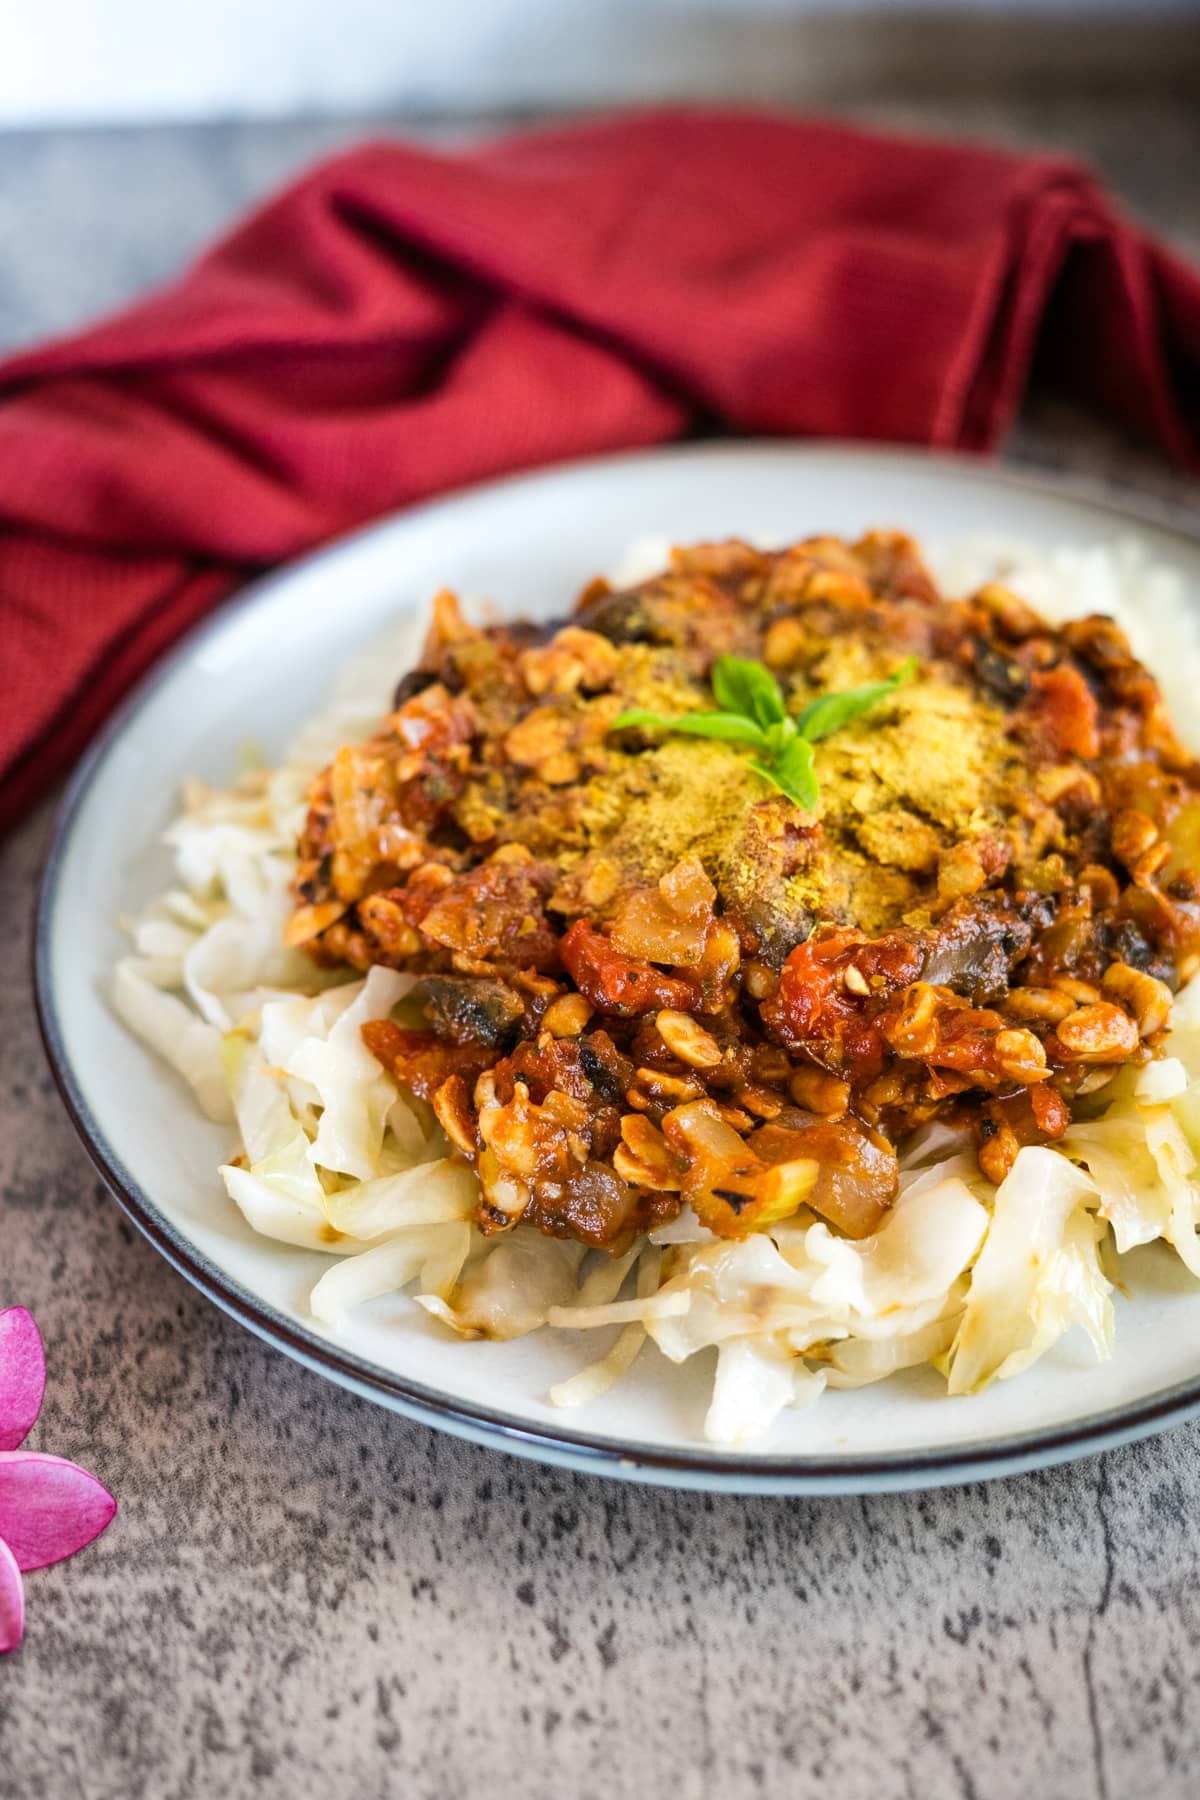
x,y
778,954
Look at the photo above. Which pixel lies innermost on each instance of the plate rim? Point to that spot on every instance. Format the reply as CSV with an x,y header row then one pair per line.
x,y
729,1471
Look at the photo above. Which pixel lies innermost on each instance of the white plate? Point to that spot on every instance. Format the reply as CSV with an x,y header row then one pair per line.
x,y
255,671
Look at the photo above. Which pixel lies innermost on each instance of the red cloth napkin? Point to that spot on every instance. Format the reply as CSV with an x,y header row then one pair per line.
x,y
400,322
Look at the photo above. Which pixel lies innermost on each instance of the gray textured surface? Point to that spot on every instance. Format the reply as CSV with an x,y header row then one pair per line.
x,y
302,1595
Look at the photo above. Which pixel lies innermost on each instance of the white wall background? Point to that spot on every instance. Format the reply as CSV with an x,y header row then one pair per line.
x,y
115,60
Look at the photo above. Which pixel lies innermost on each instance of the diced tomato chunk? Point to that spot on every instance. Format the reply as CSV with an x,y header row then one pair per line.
x,y
821,1004
619,984
421,1061
1064,711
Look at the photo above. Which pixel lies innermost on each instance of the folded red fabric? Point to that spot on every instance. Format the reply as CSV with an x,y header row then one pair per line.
x,y
401,322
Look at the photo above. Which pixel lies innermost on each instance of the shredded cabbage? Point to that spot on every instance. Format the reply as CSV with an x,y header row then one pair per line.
x,y
434,1255
857,1361
512,1290
756,1378
260,1104
432,1193
353,1092
190,1045
1143,1152
281,1198
1037,1274
605,1284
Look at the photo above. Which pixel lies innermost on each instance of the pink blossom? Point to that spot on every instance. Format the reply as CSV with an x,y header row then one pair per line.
x,y
49,1508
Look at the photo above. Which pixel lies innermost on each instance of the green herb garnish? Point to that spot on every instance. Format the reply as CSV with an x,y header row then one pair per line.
x,y
754,713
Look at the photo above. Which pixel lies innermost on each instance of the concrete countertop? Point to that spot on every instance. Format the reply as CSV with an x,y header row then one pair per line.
x,y
303,1595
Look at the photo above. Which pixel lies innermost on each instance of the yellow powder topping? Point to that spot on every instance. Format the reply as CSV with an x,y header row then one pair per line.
x,y
924,772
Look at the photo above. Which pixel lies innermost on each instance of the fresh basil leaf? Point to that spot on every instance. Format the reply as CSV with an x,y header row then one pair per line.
x,y
723,726
792,772
830,712
748,688
755,715
780,736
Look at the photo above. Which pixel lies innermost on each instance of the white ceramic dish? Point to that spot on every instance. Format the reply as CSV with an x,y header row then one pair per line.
x,y
255,671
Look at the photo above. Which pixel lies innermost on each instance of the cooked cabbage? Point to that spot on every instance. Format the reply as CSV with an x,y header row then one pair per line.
x,y
1037,1274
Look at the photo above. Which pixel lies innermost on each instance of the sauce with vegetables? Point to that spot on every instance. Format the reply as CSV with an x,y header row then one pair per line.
x,y
648,976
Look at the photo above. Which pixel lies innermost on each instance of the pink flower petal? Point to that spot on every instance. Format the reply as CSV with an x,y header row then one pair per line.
x,y
12,1600
49,1508
22,1376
